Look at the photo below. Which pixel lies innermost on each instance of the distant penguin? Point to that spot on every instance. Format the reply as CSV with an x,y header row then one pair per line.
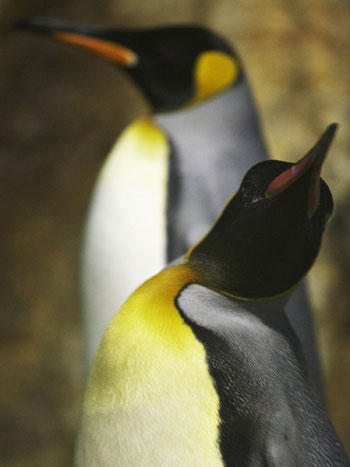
x,y
172,171
200,366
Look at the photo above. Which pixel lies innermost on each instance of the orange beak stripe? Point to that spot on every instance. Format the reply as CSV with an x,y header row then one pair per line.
x,y
105,49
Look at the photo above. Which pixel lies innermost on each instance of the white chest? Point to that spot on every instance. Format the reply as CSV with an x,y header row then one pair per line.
x,y
125,237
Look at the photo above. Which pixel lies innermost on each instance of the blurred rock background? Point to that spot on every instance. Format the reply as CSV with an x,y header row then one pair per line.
x,y
60,112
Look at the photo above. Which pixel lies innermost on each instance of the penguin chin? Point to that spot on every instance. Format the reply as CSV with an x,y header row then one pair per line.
x,y
161,98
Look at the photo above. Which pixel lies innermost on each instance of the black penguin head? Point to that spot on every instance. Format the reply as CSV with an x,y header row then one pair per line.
x,y
173,65
269,234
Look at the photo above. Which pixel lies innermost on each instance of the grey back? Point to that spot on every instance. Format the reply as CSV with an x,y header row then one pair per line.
x,y
270,414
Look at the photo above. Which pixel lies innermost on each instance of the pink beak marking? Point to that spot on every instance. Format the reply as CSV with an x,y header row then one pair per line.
x,y
312,160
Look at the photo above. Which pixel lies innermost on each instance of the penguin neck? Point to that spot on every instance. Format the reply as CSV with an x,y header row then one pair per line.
x,y
234,107
269,310
213,145
264,306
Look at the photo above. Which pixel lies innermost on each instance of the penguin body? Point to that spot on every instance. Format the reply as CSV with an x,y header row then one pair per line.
x,y
188,376
208,136
200,366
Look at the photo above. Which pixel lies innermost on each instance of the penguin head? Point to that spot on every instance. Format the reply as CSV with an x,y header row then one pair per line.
x,y
174,66
269,233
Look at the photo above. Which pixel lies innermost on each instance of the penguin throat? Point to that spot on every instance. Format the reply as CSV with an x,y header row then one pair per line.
x,y
254,263
260,282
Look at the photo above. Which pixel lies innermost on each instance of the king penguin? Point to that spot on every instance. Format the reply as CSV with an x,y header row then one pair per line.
x,y
166,179
200,366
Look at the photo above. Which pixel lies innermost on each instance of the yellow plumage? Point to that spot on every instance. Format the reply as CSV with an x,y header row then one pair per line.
x,y
150,398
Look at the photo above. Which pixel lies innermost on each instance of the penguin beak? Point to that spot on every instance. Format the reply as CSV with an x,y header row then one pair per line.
x,y
313,161
83,37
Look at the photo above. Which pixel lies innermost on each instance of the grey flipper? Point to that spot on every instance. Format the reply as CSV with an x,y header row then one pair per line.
x,y
213,145
270,415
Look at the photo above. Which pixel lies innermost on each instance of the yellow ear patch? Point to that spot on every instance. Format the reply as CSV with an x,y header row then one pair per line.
x,y
214,71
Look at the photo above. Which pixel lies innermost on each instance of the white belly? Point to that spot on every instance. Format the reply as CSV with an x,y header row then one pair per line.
x,y
125,238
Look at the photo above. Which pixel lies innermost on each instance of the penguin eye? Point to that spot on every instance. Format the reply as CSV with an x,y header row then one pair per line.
x,y
249,189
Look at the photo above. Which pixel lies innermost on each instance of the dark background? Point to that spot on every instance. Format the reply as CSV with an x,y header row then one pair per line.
x,y
60,112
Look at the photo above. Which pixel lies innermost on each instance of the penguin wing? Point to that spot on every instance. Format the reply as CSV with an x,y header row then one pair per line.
x,y
268,411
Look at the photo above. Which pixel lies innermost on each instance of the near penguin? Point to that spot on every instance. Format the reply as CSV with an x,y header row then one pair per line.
x,y
200,366
167,176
